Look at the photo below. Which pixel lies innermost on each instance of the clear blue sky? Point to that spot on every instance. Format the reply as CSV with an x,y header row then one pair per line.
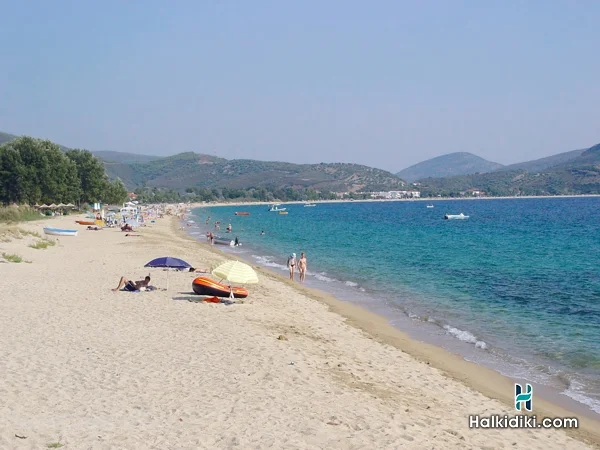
x,y
384,83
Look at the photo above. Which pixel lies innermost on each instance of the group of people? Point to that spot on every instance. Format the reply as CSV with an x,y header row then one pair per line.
x,y
300,263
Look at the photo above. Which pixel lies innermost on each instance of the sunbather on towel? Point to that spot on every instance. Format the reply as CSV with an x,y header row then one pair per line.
x,y
132,286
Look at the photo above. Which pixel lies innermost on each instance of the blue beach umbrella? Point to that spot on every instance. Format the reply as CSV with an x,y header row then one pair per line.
x,y
168,262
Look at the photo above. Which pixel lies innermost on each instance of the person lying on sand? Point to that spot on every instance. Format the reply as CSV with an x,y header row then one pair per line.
x,y
133,235
192,269
132,286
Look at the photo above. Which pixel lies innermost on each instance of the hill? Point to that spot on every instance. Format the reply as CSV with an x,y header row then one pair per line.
x,y
199,170
107,156
538,165
452,164
124,158
579,175
5,137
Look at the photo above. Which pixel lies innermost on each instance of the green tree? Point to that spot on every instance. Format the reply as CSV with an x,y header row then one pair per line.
x,y
92,177
115,192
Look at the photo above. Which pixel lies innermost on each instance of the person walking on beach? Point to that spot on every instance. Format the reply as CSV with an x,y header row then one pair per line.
x,y
302,262
291,263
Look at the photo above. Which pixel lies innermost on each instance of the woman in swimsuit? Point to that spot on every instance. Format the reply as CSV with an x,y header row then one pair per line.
x,y
302,266
291,263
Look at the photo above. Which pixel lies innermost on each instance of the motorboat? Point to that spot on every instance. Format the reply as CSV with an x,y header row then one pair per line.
x,y
59,232
460,216
208,287
276,208
242,213
430,206
307,205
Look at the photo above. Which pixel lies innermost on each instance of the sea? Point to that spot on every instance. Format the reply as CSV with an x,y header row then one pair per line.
x,y
515,287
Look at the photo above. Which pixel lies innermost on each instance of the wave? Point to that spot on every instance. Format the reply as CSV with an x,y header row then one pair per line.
x,y
465,336
351,283
575,391
268,262
322,277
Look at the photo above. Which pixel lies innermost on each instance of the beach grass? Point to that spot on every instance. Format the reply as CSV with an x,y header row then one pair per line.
x,y
43,244
55,445
12,214
13,257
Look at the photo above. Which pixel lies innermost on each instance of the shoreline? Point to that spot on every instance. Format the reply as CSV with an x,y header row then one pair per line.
x,y
376,200
489,382
288,367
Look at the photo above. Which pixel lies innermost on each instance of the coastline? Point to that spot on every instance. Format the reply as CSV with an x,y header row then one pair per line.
x,y
487,381
378,200
89,367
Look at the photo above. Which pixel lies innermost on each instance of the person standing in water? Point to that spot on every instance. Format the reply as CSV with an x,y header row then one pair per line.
x,y
302,262
291,263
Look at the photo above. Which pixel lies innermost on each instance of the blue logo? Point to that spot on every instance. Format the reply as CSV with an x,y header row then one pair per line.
x,y
523,397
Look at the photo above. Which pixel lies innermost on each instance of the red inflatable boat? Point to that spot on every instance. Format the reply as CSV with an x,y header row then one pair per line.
x,y
206,286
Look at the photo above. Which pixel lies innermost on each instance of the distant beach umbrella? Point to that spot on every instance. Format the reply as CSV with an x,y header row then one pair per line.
x,y
52,206
44,206
168,262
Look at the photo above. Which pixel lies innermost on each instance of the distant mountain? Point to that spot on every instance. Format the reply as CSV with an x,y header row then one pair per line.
x,y
5,137
124,158
452,164
199,170
579,175
538,165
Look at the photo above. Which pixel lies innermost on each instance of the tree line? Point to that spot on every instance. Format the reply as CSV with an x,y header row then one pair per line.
x,y
38,171
264,194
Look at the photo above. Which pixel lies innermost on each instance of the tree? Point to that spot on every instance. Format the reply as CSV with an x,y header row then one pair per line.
x,y
115,192
92,177
35,170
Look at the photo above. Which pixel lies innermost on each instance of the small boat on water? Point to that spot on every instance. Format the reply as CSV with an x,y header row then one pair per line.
x,y
59,232
460,216
282,212
206,286
242,213
307,205
276,208
222,241
430,206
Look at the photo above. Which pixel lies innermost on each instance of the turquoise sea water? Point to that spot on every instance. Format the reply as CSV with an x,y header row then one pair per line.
x,y
515,287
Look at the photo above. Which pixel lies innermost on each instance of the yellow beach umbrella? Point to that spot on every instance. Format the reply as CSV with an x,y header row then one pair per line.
x,y
236,272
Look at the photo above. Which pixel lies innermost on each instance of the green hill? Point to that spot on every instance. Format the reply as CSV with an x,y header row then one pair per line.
x,y
452,164
199,170
538,165
5,137
579,175
124,158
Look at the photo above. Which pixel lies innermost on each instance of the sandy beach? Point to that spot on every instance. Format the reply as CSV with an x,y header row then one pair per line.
x,y
288,367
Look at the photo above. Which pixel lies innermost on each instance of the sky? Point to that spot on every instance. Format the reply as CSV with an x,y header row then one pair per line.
x,y
383,83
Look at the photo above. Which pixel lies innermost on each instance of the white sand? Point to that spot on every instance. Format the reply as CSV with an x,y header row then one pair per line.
x,y
94,369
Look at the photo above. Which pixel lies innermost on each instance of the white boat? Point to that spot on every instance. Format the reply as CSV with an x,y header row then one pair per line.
x,y
306,205
276,208
59,232
430,206
460,216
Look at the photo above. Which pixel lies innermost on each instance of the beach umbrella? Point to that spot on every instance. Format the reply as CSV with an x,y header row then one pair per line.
x,y
52,206
44,206
70,205
236,272
168,262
